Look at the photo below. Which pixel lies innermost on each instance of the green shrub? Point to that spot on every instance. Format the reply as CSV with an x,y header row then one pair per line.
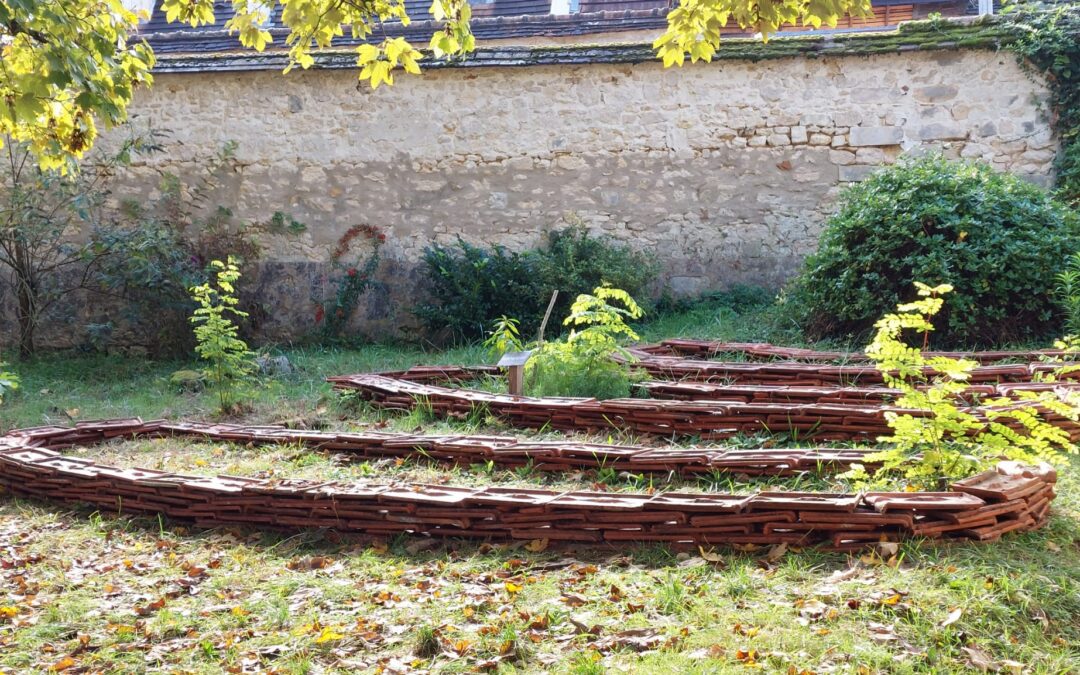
x,y
582,363
738,298
9,382
998,238
470,286
217,337
576,262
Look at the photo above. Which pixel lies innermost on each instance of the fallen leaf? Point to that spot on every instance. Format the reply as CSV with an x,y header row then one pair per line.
x,y
581,627
62,665
747,656
978,659
462,647
573,600
953,617
710,555
776,552
887,549
315,562
537,545
328,634
637,639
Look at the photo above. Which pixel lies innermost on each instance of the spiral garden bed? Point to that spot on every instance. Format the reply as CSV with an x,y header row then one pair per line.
x,y
983,507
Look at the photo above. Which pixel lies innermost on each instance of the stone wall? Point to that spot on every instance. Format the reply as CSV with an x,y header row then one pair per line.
x,y
725,171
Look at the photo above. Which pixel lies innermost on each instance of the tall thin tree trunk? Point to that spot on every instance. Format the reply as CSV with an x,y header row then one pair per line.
x,y
27,319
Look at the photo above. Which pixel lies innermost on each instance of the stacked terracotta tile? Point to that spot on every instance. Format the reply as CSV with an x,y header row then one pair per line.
x,y
560,455
984,507
766,351
853,420
759,393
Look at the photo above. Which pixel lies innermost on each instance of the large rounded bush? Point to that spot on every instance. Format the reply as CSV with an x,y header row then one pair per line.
x,y
998,239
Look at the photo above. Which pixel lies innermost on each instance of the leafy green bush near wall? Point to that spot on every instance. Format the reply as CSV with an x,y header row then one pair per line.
x,y
997,238
470,286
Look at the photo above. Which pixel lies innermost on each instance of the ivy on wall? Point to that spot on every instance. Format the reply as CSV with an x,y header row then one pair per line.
x,y
1049,41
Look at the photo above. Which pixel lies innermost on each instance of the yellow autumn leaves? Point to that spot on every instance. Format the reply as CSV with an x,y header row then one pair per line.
x,y
695,26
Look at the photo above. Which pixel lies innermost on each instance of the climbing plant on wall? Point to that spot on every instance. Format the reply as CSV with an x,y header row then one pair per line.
x,y
1049,41
352,275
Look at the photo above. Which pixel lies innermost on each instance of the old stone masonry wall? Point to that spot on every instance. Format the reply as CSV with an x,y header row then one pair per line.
x,y
726,171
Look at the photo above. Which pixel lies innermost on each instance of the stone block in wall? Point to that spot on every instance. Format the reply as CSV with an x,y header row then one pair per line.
x,y
875,136
856,172
871,156
820,139
936,93
941,131
799,135
841,157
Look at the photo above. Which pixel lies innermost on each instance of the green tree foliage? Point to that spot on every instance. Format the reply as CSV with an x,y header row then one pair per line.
x,y
217,337
582,364
995,237
67,65
943,436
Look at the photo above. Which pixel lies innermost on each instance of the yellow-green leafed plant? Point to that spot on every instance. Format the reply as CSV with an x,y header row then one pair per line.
x,y
505,336
582,363
67,66
941,436
694,27
8,382
217,337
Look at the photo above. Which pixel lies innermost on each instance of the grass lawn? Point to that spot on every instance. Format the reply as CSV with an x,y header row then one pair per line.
x,y
84,591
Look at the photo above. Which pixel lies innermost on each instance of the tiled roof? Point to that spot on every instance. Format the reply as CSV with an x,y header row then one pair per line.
x,y
498,20
983,32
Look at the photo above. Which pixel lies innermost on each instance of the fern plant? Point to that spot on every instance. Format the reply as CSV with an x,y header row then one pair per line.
x,y
582,364
216,335
942,437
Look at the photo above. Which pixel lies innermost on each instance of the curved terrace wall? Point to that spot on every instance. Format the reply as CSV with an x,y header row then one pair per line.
x,y
726,171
